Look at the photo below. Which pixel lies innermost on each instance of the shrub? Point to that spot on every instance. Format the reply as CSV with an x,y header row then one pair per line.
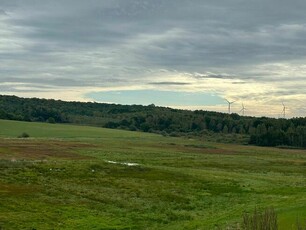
x,y
51,120
24,135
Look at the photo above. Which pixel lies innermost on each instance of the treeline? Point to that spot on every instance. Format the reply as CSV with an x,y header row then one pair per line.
x,y
260,131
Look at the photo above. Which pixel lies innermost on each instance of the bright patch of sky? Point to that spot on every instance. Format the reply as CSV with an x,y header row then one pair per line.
x,y
163,98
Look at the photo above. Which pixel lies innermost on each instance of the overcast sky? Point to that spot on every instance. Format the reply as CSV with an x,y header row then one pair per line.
x,y
246,51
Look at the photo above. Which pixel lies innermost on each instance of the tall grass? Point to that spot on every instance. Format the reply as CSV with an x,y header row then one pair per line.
x,y
266,220
300,225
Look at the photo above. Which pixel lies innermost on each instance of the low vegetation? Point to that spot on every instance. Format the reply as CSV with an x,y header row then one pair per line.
x,y
77,177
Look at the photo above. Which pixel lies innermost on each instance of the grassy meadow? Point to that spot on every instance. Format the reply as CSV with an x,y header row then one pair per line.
x,y
77,177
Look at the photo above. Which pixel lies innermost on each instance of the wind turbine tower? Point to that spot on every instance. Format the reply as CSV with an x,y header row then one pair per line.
x,y
284,110
229,105
243,109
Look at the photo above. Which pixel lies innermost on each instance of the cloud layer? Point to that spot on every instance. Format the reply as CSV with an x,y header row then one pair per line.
x,y
251,51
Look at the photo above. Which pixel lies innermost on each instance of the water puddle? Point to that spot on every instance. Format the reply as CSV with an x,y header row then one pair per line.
x,y
123,163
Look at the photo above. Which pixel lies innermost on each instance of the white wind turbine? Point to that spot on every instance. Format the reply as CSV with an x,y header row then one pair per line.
x,y
229,105
243,109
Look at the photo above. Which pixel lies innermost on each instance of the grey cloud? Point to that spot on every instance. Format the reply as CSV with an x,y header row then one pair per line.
x,y
239,82
213,76
209,39
169,83
16,89
44,83
2,12
62,82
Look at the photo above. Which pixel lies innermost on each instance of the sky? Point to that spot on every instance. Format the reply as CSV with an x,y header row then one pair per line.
x,y
189,54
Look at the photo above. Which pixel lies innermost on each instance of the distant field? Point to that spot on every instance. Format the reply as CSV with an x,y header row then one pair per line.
x,y
77,177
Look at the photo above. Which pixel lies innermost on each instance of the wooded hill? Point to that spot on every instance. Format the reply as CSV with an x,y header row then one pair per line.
x,y
259,131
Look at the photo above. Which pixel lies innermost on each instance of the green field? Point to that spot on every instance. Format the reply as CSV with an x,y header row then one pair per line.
x,y
77,177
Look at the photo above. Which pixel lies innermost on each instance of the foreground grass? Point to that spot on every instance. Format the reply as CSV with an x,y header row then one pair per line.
x,y
64,177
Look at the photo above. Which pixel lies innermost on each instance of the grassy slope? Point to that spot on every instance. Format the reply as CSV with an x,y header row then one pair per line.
x,y
60,178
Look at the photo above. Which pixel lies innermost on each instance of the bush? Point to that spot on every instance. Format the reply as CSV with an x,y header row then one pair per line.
x,y
24,135
51,120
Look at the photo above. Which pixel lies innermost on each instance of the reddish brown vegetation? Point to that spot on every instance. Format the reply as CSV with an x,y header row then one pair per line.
x,y
31,149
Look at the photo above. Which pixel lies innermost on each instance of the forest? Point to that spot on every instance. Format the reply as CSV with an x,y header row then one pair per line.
x,y
262,131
